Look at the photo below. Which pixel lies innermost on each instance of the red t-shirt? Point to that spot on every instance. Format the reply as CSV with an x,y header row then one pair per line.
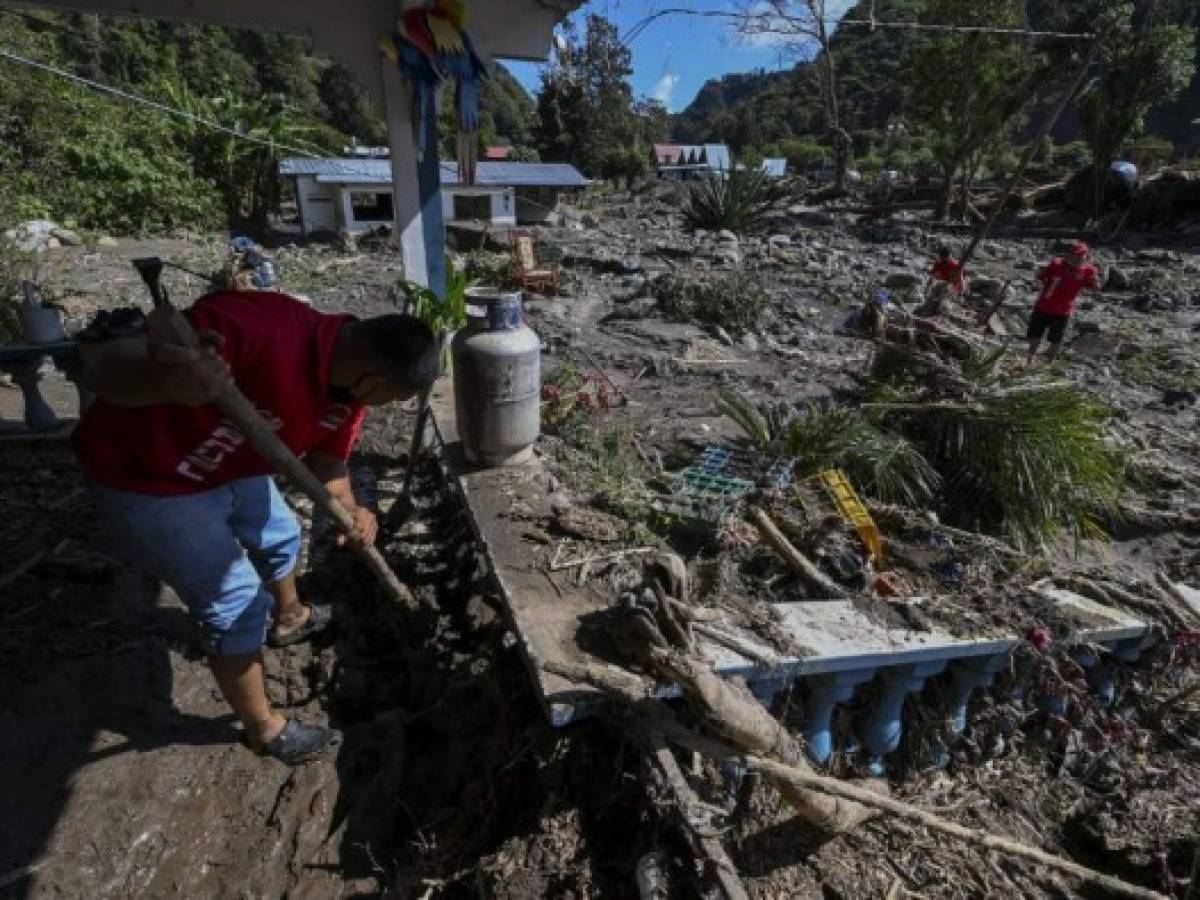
x,y
279,351
949,271
1062,284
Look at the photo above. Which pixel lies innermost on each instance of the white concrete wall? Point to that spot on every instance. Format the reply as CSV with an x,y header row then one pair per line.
x,y
503,202
318,205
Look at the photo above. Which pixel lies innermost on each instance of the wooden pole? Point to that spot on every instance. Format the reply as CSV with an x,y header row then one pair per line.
x,y
1027,157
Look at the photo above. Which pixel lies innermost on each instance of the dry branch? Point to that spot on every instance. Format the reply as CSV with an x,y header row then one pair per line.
x,y
804,567
798,780
693,820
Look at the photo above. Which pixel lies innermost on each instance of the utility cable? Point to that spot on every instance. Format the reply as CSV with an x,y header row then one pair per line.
x,y
153,104
872,23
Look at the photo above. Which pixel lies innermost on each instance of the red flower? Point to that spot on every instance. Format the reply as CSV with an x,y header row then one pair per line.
x,y
550,392
1040,638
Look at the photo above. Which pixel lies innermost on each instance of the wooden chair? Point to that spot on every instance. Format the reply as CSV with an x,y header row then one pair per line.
x,y
541,279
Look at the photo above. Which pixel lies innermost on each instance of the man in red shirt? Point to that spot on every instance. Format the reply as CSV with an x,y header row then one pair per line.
x,y
948,271
1062,280
181,495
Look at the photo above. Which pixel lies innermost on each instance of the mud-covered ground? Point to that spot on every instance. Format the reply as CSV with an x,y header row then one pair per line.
x,y
126,774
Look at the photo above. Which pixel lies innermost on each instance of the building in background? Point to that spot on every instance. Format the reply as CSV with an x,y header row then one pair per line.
x,y
356,194
688,162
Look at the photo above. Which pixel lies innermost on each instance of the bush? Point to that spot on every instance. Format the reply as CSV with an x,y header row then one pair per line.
x,y
734,302
736,200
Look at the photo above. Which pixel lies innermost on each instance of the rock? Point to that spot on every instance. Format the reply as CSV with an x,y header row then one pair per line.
x,y
1025,264
1118,280
590,221
779,240
1086,326
902,281
67,237
750,343
106,241
1174,396
589,524
728,255
33,236
726,236
1095,344
815,218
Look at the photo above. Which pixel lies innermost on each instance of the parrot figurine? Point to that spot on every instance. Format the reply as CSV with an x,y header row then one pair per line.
x,y
431,44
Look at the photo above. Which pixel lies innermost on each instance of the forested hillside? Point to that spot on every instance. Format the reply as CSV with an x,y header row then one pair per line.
x,y
71,153
781,112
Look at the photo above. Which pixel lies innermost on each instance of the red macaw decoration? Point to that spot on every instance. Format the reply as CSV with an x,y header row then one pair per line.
x,y
431,44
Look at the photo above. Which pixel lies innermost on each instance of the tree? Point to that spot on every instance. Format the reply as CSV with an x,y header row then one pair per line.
x,y
1147,57
966,89
804,25
586,110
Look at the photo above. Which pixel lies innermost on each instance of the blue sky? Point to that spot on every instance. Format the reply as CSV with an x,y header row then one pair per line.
x,y
676,54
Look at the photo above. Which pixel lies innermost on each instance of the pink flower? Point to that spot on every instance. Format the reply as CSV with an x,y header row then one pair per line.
x,y
1040,638
550,392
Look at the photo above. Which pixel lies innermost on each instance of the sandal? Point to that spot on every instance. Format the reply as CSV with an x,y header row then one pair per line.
x,y
299,743
319,619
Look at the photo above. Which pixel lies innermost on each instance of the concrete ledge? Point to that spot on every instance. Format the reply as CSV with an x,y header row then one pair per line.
x,y
832,639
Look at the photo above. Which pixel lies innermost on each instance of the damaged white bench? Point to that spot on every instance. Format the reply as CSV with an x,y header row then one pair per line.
x,y
839,649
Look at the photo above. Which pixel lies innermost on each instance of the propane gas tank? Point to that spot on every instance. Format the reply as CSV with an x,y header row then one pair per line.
x,y
497,379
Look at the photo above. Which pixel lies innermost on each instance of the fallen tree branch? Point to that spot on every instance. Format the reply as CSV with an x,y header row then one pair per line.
x,y
795,779
601,557
694,823
803,566
1160,713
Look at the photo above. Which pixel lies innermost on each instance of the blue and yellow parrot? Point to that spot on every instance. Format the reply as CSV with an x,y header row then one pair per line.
x,y
431,43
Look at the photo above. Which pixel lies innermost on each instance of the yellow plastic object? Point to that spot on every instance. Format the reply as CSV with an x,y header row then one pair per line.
x,y
853,511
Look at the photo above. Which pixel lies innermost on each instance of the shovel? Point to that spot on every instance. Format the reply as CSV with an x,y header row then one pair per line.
x,y
262,438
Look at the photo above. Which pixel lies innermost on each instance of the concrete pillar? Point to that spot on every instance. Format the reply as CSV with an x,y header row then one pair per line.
x,y
416,185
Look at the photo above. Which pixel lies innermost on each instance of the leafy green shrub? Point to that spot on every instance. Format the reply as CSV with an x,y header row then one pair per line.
x,y
735,302
493,269
880,463
443,316
736,200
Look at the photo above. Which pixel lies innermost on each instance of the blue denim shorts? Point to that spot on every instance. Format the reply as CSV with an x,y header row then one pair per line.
x,y
215,549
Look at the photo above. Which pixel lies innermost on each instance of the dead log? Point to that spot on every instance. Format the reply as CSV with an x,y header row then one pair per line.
x,y
1111,595
803,566
693,820
728,708
801,780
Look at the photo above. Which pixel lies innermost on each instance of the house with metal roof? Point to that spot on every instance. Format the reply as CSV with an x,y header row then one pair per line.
x,y
356,194
687,162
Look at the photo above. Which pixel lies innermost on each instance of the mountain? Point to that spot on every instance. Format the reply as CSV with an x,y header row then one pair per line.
x,y
752,111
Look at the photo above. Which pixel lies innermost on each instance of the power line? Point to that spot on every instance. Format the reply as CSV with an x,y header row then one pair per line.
x,y
639,27
153,104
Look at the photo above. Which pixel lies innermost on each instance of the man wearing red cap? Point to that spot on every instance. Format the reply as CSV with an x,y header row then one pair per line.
x,y
1062,280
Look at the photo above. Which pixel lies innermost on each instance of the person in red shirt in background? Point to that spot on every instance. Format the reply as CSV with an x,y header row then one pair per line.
x,y
1062,280
948,271
183,497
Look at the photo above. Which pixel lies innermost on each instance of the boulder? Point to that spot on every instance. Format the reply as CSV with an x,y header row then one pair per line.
x,y
107,241
1118,280
902,281
816,218
726,236
67,237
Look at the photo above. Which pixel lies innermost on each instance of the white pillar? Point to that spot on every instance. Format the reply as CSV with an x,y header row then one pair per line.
x,y
416,186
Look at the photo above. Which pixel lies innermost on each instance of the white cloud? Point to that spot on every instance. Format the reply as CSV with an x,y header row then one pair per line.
x,y
664,90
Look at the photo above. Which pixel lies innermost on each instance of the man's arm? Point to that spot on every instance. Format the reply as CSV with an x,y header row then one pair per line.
x,y
149,370
332,472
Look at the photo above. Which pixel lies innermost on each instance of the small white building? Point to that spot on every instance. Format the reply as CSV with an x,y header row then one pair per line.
x,y
356,194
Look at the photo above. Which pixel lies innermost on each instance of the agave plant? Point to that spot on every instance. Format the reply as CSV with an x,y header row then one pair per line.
x,y
737,200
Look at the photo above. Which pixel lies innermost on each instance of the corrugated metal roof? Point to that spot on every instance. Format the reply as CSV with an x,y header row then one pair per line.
x,y
487,173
